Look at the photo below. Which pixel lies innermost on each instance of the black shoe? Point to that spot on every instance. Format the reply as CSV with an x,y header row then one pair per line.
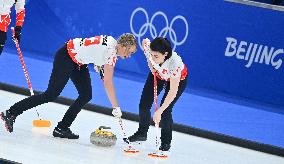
x,y
136,137
165,147
8,119
64,133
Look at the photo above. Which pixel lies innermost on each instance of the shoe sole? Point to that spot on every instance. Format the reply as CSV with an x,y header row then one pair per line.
x,y
137,141
60,136
6,126
126,140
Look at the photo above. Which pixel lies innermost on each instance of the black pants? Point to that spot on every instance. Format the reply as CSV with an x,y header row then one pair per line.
x,y
146,102
63,69
3,38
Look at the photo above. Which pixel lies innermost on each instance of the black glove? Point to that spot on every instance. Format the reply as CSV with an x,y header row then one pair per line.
x,y
18,32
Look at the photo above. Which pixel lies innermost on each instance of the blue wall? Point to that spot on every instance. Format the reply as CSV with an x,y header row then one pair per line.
x,y
216,48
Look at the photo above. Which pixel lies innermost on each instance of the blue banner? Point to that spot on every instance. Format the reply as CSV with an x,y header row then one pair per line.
x,y
229,48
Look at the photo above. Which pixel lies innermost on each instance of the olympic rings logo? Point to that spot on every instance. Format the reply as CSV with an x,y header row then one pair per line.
x,y
153,31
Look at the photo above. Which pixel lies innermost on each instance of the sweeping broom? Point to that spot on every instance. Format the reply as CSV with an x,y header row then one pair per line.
x,y
157,153
40,122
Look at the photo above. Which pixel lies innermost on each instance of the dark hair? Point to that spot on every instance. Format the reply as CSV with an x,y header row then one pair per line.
x,y
162,45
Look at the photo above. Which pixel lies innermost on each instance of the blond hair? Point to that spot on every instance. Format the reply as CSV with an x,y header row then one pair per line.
x,y
127,39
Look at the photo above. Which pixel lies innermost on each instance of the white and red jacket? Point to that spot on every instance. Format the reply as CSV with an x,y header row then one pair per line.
x,y
99,50
171,68
5,10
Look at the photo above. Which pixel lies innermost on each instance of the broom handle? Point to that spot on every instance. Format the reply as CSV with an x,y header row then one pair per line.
x,y
23,65
124,134
121,126
156,108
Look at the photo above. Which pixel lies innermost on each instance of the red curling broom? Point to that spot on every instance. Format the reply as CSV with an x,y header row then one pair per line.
x,y
40,122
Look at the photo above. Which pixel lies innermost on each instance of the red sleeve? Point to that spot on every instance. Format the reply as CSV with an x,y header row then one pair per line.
x,y
4,23
20,12
20,18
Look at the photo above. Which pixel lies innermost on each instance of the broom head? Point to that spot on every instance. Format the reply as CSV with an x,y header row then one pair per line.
x,y
41,123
